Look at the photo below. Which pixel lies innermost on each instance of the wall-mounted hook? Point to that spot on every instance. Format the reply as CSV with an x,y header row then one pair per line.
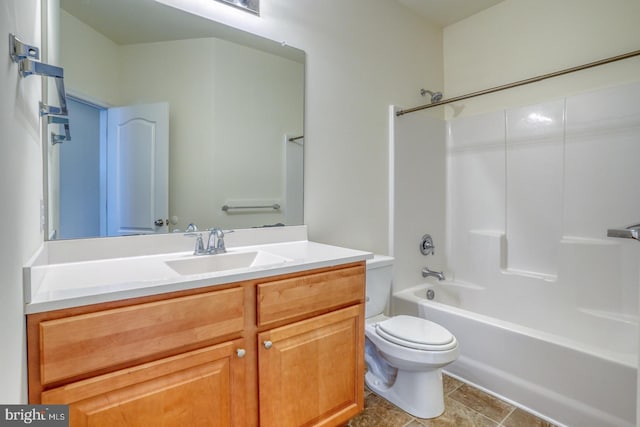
x,y
27,56
29,67
19,50
57,138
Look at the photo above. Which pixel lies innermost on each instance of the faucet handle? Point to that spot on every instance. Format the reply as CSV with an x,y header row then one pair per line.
x,y
211,241
199,245
199,249
220,247
219,243
426,245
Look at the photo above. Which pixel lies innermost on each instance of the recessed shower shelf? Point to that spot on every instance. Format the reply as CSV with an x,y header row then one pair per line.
x,y
530,274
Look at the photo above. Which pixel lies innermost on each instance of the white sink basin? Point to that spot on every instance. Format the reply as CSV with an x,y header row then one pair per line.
x,y
229,261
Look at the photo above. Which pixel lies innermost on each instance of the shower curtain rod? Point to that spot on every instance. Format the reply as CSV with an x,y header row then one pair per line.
x,y
521,82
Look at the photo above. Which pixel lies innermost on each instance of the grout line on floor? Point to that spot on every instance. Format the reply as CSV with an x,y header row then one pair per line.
x,y
501,424
413,421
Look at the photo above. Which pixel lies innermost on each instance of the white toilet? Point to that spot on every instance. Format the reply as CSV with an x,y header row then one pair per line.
x,y
404,354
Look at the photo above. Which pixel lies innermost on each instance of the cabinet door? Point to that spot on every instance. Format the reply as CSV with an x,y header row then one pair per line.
x,y
312,372
198,388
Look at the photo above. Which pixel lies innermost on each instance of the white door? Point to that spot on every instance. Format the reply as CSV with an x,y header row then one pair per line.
x,y
137,169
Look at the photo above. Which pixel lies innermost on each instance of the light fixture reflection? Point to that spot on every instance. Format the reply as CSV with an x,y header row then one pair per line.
x,y
539,118
252,6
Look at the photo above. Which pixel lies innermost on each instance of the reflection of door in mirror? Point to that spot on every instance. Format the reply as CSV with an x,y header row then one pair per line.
x,y
81,185
138,169
114,183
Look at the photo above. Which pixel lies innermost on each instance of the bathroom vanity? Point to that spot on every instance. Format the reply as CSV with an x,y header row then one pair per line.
x,y
273,345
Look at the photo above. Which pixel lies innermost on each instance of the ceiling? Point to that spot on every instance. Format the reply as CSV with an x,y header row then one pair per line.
x,y
147,21
447,12
140,21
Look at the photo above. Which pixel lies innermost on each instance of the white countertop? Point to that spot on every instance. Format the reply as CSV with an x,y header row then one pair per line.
x,y
68,282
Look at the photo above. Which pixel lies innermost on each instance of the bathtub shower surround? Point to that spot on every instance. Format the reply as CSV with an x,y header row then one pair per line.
x,y
532,192
558,378
544,304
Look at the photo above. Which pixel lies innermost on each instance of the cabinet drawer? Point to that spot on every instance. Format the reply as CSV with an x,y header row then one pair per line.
x,y
78,345
302,296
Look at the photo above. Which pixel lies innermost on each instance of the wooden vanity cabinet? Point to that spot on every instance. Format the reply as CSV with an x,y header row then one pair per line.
x,y
282,351
311,371
172,360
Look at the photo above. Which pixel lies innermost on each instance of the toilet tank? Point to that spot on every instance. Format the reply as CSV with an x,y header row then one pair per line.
x,y
378,284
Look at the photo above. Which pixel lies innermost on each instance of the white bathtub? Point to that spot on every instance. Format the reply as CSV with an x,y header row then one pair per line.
x,y
583,374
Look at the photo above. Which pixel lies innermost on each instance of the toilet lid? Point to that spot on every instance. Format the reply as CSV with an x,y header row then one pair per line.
x,y
417,333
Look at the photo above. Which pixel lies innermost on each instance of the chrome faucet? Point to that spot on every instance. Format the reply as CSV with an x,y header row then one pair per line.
x,y
199,249
215,245
426,273
215,242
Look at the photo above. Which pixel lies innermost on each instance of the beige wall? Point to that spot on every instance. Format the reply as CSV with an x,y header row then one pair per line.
x,y
227,122
20,191
362,56
227,131
520,39
78,41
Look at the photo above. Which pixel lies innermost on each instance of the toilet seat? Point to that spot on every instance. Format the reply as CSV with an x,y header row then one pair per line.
x,y
416,333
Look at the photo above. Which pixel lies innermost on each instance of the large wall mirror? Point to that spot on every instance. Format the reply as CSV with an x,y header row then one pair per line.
x,y
175,119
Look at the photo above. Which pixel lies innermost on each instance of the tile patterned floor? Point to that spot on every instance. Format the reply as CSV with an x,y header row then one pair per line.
x,y
465,406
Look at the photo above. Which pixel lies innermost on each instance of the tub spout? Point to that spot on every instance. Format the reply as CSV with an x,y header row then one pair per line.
x,y
426,273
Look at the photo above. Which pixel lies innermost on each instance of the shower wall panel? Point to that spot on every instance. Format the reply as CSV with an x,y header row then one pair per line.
x,y
534,164
418,195
531,193
602,161
603,191
476,187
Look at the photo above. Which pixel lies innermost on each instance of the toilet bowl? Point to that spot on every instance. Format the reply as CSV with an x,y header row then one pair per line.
x,y
404,354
